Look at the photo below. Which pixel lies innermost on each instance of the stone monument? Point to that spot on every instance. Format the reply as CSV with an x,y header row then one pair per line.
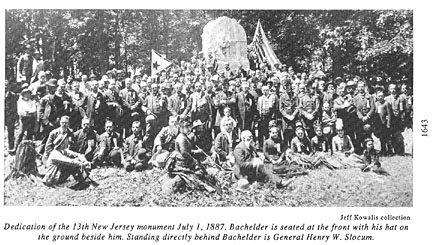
x,y
226,39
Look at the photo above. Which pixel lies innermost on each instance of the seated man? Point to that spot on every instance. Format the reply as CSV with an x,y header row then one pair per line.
x,y
85,139
272,149
247,164
62,162
300,143
108,151
182,163
134,152
165,142
224,142
165,139
319,141
184,146
371,159
343,149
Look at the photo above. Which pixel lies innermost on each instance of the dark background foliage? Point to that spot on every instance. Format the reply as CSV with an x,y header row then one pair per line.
x,y
367,43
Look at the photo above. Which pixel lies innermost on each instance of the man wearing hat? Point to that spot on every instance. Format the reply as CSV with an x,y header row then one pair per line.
x,y
134,152
329,93
228,73
26,109
40,82
92,77
94,107
131,106
84,84
38,66
63,162
48,112
109,151
211,63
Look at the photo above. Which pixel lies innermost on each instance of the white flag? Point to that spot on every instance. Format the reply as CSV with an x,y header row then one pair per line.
x,y
158,63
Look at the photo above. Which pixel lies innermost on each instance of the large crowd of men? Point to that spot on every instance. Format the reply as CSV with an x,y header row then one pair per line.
x,y
127,121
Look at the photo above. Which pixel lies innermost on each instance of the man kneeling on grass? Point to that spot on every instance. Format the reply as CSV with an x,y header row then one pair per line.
x,y
248,166
62,162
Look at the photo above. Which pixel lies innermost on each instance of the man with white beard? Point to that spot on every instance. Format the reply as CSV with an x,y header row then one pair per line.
x,y
249,166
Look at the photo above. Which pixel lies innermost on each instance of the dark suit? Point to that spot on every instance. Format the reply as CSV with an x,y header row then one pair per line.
x,y
246,109
106,147
222,146
131,103
244,168
85,142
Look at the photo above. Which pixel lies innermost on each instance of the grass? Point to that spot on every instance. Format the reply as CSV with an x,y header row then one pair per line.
x,y
320,188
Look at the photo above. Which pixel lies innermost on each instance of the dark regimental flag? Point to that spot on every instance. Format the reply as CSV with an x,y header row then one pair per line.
x,y
260,47
158,63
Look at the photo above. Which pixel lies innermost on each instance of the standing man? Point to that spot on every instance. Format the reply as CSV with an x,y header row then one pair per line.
x,y
398,107
93,107
25,66
131,106
290,114
246,107
49,113
201,108
309,104
155,106
365,106
383,122
26,108
266,109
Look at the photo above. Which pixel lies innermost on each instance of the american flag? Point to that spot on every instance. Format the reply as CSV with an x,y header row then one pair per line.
x,y
260,47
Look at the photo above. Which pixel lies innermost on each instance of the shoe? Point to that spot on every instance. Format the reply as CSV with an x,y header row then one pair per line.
x,y
283,183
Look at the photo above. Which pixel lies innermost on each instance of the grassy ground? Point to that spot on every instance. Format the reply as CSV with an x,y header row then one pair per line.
x,y
321,187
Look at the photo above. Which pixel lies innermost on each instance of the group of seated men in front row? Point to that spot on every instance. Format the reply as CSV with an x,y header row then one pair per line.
x,y
175,149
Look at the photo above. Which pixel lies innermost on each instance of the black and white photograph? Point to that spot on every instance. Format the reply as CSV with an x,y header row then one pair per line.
x,y
208,108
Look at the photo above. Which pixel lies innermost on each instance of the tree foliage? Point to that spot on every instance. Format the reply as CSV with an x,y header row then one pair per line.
x,y
368,43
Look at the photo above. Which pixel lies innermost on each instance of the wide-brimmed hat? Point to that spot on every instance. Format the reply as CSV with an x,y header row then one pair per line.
x,y
197,123
243,185
328,84
52,82
25,90
350,84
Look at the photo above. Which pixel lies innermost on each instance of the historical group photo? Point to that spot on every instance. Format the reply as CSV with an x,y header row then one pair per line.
x,y
208,108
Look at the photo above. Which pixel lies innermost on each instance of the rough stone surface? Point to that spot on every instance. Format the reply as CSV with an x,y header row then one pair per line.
x,y
226,39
